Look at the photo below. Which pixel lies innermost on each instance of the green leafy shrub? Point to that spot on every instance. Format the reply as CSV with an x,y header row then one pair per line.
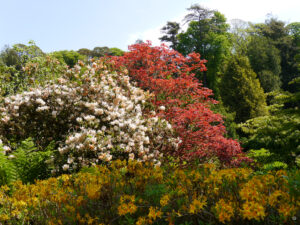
x,y
36,71
278,132
14,64
68,57
266,160
275,166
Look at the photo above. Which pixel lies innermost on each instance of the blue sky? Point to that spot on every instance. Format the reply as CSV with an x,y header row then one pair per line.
x,y
73,24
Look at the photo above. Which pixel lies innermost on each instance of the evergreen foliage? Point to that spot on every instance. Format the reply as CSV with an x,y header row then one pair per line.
x,y
265,61
116,52
278,132
207,34
266,160
171,31
286,40
241,90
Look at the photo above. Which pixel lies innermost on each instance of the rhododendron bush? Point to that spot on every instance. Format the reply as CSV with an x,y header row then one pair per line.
x,y
185,102
92,115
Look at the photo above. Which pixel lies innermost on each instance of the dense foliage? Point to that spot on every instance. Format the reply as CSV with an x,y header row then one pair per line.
x,y
68,57
278,132
248,100
207,34
264,58
136,193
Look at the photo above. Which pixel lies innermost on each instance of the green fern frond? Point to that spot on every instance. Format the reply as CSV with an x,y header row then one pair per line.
x,y
8,171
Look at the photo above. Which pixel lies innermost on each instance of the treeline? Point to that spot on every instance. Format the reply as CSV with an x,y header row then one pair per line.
x,y
13,62
18,54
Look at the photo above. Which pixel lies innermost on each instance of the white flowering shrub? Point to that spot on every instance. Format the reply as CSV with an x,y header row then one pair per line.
x,y
93,116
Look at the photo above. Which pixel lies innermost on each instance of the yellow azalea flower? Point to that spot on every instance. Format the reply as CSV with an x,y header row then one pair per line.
x,y
229,193
141,221
209,166
164,200
79,200
253,190
5,188
127,205
70,208
249,194
154,213
253,210
4,217
65,177
286,210
126,208
197,205
93,191
225,210
125,198
280,173
273,198
90,221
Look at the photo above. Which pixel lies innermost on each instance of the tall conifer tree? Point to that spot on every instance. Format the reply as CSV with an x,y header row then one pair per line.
x,y
241,90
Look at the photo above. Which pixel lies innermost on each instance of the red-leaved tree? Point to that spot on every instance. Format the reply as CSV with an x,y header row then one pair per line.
x,y
171,77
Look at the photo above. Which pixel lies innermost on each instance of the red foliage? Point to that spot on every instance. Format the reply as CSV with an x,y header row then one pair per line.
x,y
170,76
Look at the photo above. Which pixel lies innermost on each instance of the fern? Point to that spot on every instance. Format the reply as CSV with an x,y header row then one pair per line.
x,y
266,159
31,163
275,166
8,171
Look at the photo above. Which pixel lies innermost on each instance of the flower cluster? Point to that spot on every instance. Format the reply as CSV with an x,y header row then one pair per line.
x,y
145,194
93,116
182,100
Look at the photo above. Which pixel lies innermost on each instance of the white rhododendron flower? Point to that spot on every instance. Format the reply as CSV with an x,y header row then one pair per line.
x,y
6,148
162,108
65,167
96,118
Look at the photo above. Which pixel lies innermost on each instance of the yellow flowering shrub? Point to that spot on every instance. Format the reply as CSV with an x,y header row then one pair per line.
x,y
127,205
253,210
141,193
225,210
197,205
